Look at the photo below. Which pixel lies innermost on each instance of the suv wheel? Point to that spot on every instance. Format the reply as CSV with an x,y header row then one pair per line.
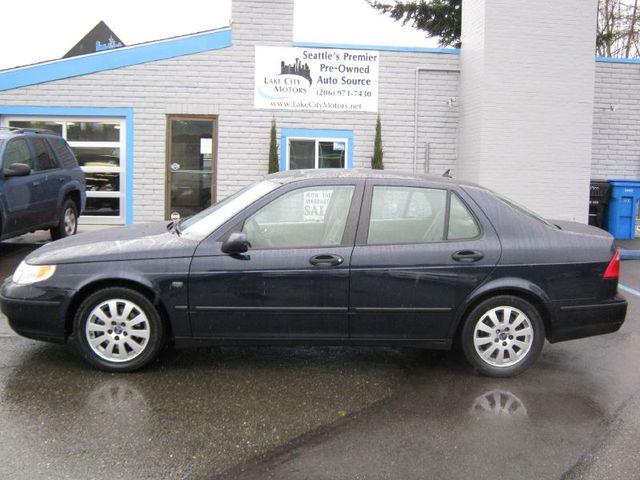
x,y
68,221
118,330
503,336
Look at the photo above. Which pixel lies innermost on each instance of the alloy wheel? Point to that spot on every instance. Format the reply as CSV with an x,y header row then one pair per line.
x,y
70,221
117,330
503,336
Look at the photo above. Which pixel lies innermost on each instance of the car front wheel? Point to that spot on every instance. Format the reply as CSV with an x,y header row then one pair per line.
x,y
503,336
68,221
118,330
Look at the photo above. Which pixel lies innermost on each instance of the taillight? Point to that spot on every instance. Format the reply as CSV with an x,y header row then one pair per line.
x,y
613,269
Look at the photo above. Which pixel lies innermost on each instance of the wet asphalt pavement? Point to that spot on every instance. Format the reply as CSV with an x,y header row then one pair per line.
x,y
321,413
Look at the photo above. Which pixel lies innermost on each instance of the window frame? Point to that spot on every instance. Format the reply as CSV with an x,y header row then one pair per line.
x,y
316,152
318,136
365,214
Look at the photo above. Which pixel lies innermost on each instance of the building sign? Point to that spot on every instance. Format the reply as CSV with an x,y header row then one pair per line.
x,y
316,79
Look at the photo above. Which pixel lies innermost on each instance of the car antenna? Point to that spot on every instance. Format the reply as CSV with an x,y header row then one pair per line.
x,y
447,173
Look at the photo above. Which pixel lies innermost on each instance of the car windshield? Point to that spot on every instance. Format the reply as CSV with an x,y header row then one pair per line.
x,y
205,222
524,210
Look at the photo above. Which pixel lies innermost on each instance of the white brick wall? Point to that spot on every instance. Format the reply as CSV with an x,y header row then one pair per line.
x,y
527,101
221,82
616,127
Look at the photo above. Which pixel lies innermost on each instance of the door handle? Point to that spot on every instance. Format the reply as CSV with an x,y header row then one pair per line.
x,y
62,179
326,260
467,256
35,184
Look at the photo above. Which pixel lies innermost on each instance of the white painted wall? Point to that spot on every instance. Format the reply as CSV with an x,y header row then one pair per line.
x,y
526,99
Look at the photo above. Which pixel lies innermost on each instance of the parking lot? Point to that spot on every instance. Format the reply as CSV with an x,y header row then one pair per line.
x,y
320,412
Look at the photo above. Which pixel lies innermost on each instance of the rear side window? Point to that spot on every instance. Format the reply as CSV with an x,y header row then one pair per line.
x,y
401,215
45,160
462,224
17,151
63,152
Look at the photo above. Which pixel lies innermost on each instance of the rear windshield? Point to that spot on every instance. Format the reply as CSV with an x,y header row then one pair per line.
x,y
523,209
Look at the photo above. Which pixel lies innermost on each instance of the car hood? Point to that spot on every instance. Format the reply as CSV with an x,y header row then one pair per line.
x,y
134,242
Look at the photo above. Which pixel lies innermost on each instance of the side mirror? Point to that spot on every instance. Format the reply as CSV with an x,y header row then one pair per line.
x,y
236,243
17,170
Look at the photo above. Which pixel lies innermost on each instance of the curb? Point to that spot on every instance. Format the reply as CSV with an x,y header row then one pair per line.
x,y
629,254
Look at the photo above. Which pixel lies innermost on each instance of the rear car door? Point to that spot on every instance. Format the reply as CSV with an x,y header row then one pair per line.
x,y
18,191
421,249
48,179
293,283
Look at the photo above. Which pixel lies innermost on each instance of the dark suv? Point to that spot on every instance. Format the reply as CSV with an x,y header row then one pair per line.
x,y
41,185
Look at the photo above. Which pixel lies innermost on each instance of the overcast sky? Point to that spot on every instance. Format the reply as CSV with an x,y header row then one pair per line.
x,y
43,30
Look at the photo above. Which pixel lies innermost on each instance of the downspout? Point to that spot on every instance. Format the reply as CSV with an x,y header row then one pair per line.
x,y
416,98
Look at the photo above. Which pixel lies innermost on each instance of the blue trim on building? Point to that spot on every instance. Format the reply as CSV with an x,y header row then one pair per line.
x,y
126,113
391,48
314,133
116,58
617,60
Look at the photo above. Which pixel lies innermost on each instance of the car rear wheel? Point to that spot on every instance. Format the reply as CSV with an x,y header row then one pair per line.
x,y
118,330
68,221
503,336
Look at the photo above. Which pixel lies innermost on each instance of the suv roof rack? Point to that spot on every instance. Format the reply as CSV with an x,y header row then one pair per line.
x,y
29,130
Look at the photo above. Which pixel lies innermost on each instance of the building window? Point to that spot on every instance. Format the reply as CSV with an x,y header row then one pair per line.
x,y
99,145
309,148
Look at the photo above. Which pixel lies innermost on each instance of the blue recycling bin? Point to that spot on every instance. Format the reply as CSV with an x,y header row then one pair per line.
x,y
623,208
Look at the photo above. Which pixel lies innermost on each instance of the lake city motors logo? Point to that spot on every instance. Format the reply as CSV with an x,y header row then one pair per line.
x,y
293,79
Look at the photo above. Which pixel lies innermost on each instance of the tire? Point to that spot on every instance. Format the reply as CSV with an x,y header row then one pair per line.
x,y
125,348
484,340
67,222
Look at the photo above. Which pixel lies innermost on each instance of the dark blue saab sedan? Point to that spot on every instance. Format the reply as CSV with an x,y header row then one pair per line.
x,y
327,257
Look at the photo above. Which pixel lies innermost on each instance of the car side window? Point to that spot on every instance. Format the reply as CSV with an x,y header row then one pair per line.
x,y
401,215
303,218
17,151
462,224
63,152
45,160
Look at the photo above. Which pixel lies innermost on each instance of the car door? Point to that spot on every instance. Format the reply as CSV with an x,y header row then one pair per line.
x,y
18,191
421,248
48,178
293,283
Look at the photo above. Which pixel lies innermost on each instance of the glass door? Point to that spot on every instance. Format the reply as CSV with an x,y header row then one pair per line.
x,y
191,164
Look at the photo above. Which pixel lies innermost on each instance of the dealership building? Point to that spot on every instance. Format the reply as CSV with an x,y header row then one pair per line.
x,y
176,124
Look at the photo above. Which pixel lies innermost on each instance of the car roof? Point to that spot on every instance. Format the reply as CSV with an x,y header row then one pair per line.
x,y
6,133
289,176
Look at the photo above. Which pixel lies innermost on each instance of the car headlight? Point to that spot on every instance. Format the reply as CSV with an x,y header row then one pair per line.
x,y
27,274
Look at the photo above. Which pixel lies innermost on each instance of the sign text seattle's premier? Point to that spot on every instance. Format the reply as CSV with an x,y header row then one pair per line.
x,y
290,78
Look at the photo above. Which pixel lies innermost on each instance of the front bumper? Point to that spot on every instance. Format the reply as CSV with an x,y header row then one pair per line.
x,y
36,311
579,321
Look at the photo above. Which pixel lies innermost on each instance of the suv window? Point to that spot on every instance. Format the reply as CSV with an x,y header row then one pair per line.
x,y
63,152
401,215
45,160
307,217
17,151
462,225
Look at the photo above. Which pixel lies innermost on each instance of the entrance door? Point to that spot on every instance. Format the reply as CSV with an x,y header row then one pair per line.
x,y
191,164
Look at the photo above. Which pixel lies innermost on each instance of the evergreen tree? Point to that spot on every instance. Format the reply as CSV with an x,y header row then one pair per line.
x,y
274,161
376,159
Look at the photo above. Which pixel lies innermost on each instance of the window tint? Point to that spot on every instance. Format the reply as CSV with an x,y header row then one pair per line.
x,y
407,215
44,156
63,152
307,217
461,221
17,151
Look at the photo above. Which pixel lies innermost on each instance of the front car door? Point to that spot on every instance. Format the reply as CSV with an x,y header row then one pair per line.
x,y
18,191
421,249
293,283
